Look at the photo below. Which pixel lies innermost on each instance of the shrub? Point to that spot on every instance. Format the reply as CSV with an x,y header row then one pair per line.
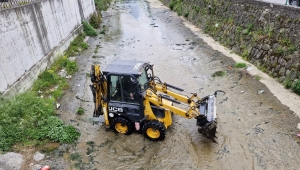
x,y
296,86
287,83
95,20
186,14
89,30
171,5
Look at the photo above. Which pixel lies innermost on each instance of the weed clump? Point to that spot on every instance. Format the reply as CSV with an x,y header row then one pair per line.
x,y
296,87
95,19
240,65
219,74
102,5
80,111
88,29
257,77
287,83
77,45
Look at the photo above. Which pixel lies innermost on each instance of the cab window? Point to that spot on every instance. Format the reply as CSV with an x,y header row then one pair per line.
x,y
123,88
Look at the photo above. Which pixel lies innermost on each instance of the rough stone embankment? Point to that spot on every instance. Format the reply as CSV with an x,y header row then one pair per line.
x,y
267,35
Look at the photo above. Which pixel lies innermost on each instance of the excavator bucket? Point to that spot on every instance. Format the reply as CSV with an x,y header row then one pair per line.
x,y
207,121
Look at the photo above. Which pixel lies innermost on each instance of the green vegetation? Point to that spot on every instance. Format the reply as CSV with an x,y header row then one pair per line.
x,y
287,83
102,5
80,111
77,46
296,87
245,53
95,20
240,65
257,77
88,29
176,5
29,118
49,83
219,74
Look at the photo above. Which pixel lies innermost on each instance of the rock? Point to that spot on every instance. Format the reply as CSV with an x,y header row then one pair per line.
x,y
38,156
259,54
288,64
282,71
62,73
72,58
236,50
11,160
260,91
288,73
265,47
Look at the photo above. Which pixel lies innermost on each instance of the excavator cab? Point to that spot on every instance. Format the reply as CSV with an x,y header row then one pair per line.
x,y
131,98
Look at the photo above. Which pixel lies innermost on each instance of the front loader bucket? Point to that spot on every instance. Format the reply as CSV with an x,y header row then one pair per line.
x,y
207,121
209,131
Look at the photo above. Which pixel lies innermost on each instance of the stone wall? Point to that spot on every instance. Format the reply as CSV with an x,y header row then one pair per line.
x,y
267,35
33,35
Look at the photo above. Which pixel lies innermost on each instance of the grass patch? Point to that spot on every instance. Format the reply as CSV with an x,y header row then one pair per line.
x,y
102,5
80,111
29,119
77,45
257,77
219,74
240,65
49,83
89,30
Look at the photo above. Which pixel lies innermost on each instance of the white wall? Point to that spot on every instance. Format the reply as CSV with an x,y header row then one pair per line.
x,y
32,35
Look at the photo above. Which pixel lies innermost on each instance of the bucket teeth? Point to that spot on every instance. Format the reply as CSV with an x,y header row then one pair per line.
x,y
209,131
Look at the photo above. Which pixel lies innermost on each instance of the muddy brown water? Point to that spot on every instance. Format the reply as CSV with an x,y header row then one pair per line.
x,y
255,131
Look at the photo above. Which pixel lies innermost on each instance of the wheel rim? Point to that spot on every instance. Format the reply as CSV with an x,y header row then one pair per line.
x,y
121,128
153,133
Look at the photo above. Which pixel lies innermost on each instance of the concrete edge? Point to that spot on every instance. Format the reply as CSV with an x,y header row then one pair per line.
x,y
285,96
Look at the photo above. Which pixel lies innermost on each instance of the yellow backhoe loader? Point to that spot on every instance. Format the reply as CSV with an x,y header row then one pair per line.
x,y
131,98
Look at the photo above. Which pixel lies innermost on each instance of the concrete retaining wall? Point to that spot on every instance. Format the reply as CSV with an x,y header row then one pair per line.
x,y
31,36
266,34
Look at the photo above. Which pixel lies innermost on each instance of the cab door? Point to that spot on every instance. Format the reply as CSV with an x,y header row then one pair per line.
x,y
124,99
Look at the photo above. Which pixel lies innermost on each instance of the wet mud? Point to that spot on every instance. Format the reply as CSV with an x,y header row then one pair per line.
x,y
255,131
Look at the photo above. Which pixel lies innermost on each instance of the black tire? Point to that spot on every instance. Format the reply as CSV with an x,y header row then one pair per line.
x,y
154,130
122,125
